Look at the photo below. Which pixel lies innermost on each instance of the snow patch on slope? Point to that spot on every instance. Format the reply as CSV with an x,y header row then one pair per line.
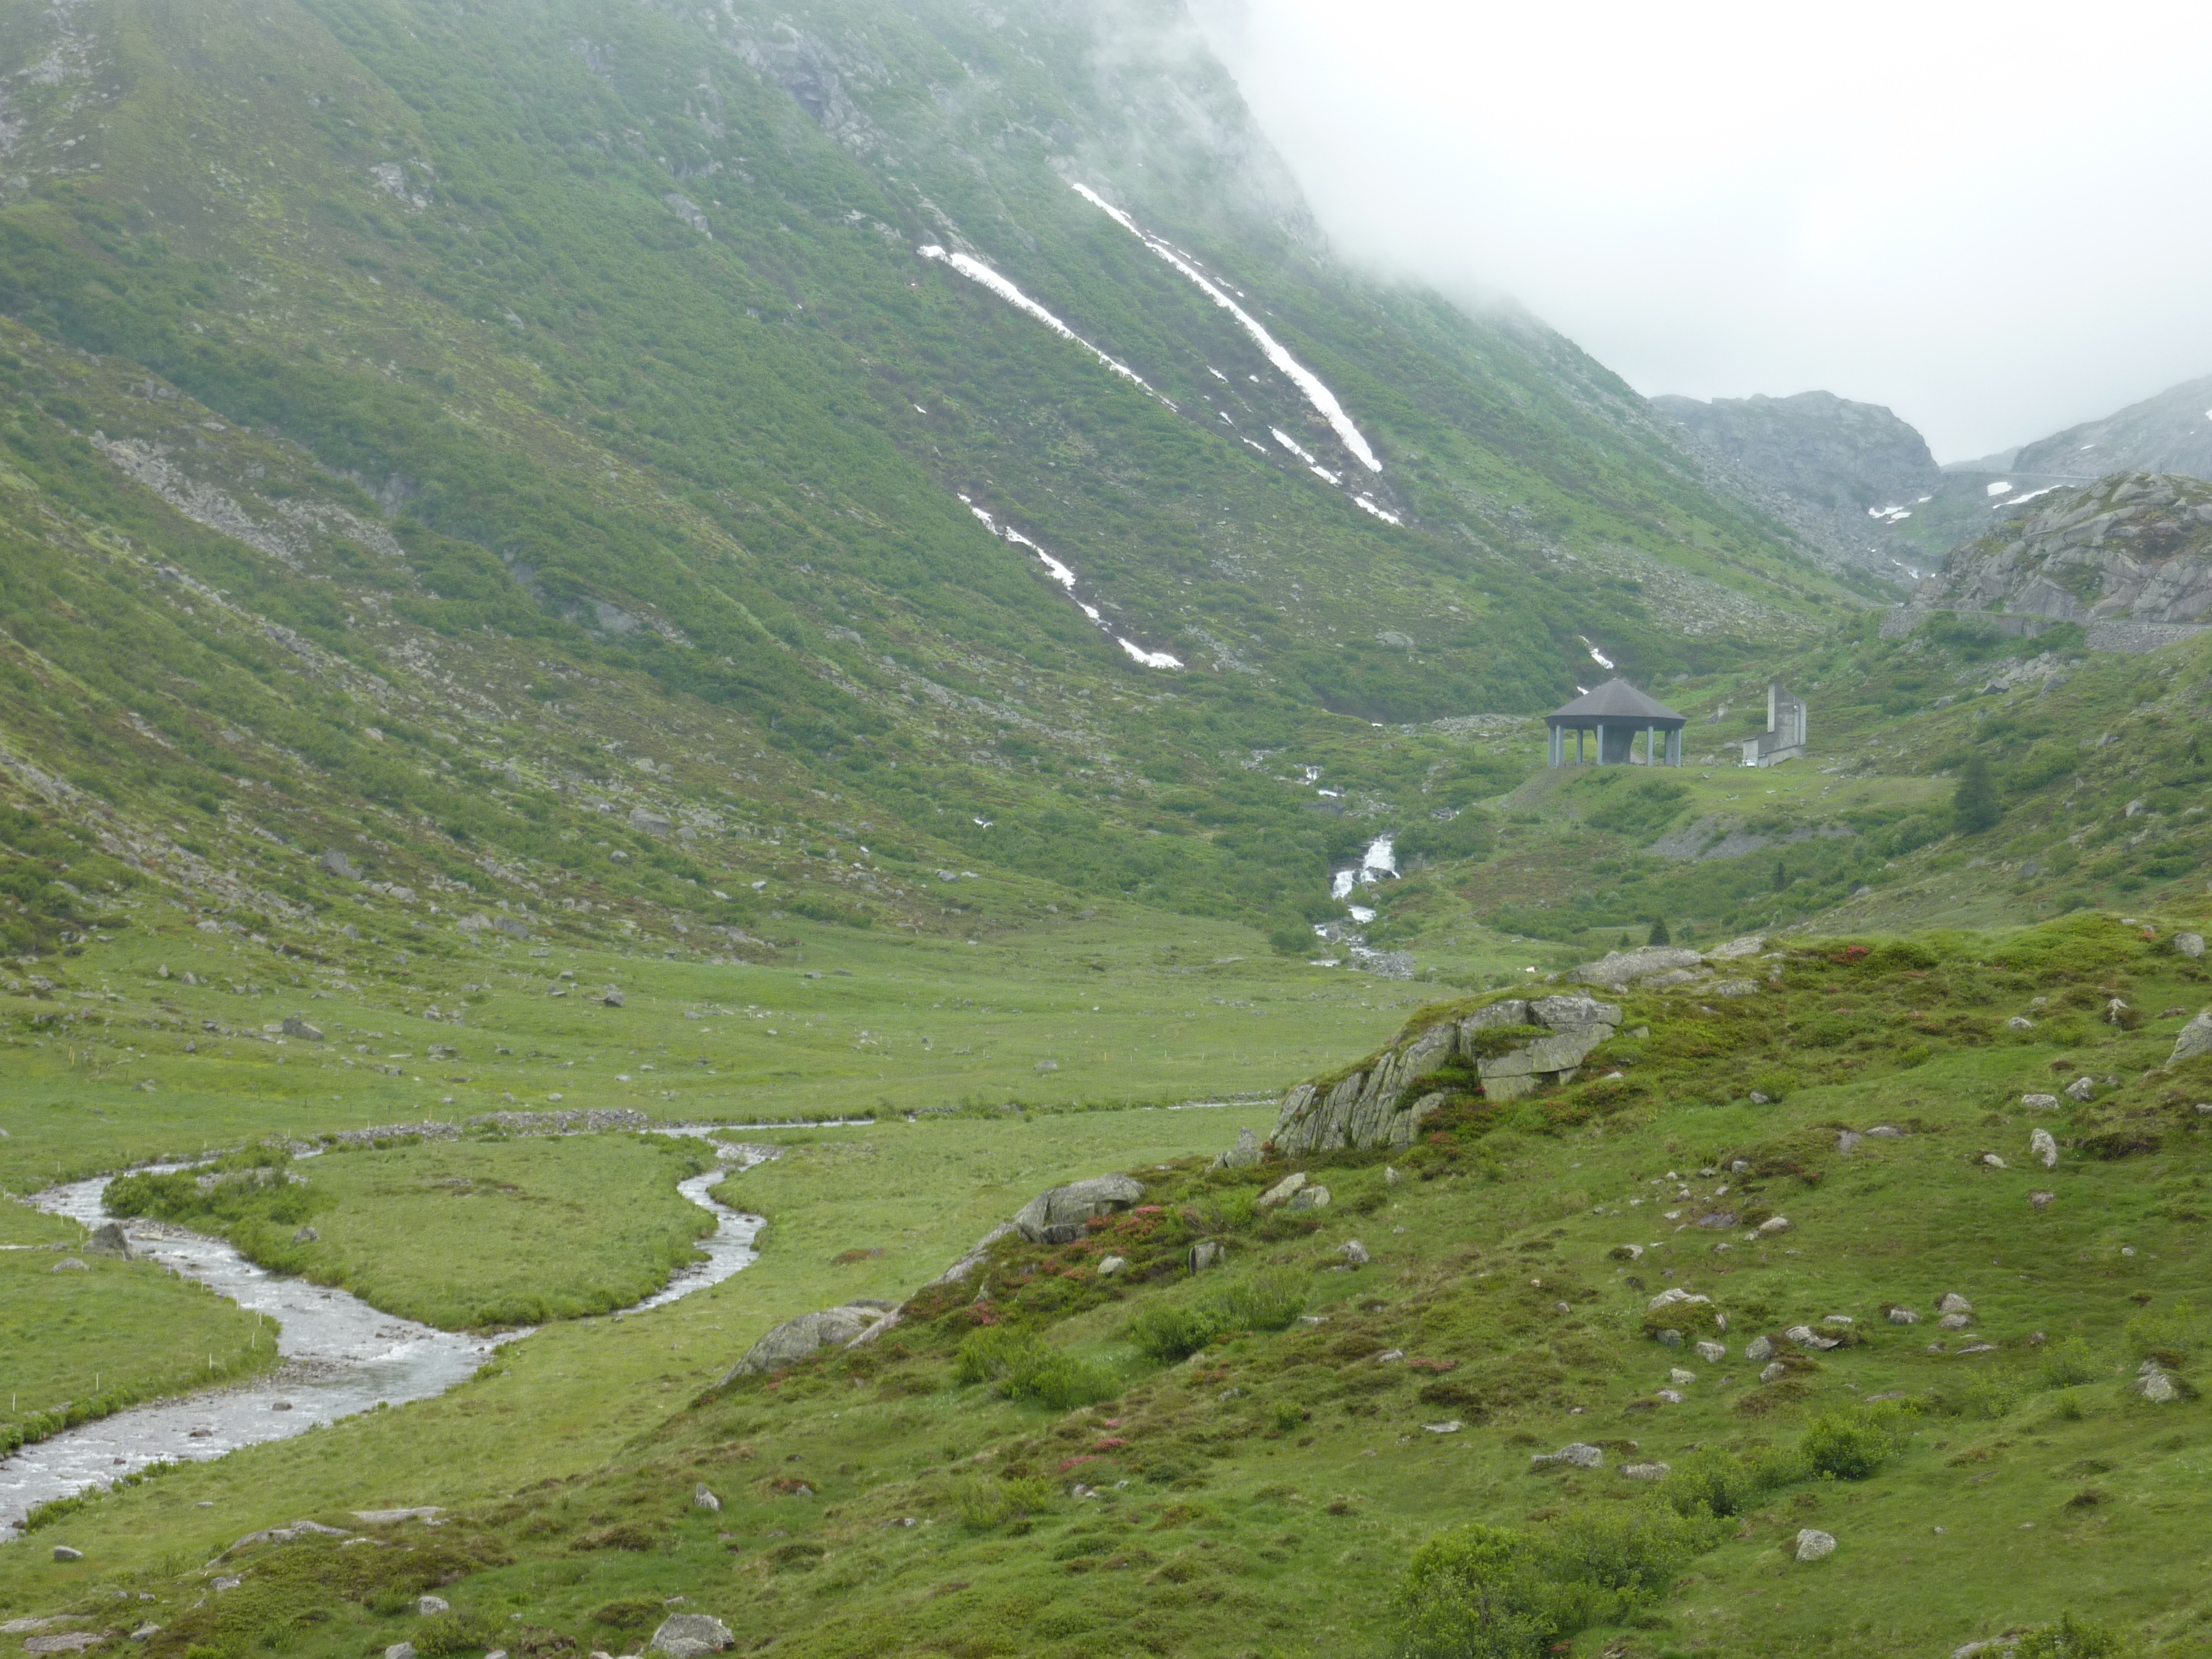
x,y
1323,399
1061,572
976,271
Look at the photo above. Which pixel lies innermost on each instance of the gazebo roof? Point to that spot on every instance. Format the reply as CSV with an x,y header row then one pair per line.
x,y
1616,700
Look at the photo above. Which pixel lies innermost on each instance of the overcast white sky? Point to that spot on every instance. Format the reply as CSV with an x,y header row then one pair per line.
x,y
1995,220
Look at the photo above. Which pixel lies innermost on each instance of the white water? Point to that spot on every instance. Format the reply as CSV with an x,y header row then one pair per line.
x,y
342,1356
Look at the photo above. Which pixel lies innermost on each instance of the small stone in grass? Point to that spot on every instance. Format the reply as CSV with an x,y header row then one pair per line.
x,y
1814,1545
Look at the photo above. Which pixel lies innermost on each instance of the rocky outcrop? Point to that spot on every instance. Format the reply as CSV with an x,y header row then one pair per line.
x,y
2165,433
1057,1217
2135,546
1662,967
1381,1104
808,1335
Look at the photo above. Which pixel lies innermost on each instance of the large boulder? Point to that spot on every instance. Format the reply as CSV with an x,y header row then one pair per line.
x,y
107,1239
2194,1039
1619,968
1245,1155
691,1636
1057,1217
802,1337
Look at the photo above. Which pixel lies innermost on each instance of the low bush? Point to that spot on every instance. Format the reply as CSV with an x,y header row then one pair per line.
x,y
2171,1334
1169,1331
1853,1444
1023,1366
2069,1363
2069,1638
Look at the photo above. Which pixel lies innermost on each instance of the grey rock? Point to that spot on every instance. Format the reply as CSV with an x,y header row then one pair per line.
x,y
1646,1471
702,1498
653,823
2189,945
1623,967
2044,1148
70,1264
1774,1373
1759,1350
1758,1098
612,996
1392,1175
2041,1200
1575,1454
1847,1142
1565,1013
1245,1155
1903,1316
107,1239
1773,1226
1993,1160
1814,1545
338,863
1749,945
1805,1337
1513,1011
1711,1353
2154,1382
1669,1338
1952,1303
400,1650
295,1025
1206,1253
1112,1265
64,1552
1284,1190
2083,1088
425,1606
691,1636
1057,1217
1954,1321
1680,1379
2019,1023
1736,987
1310,1198
306,1235
1887,1132
1354,1252
2193,1039
2040,1102
146,1632
799,1339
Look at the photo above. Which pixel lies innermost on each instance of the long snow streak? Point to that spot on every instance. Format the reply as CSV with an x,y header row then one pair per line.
x,y
1065,577
976,271
1323,400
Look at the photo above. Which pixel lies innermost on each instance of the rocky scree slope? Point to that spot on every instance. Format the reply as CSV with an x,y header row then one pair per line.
x,y
2169,433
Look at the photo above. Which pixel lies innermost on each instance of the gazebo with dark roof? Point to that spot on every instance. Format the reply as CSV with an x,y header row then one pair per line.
x,y
1618,712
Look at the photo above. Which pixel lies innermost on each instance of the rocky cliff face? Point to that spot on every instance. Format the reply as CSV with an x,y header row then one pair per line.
x,y
2138,546
1835,465
2170,433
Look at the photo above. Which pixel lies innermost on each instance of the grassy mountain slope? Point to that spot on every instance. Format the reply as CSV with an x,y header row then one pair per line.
x,y
1267,1495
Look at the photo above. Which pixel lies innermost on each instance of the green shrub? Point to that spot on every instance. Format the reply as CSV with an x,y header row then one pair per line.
x,y
1023,1366
2067,1364
1720,1483
1169,1331
2070,1640
1850,1445
1264,1302
987,1503
2171,1333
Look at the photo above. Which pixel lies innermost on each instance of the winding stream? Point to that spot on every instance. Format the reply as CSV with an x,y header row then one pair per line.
x,y
341,1355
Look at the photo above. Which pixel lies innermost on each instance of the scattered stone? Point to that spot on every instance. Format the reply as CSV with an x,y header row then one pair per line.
x,y
2019,1023
1760,1099
1903,1316
1847,1142
1976,1347
1773,1226
295,1025
2154,1382
1814,1545
1245,1155
1310,1198
2189,945
2041,1200
1711,1353
400,1650
1759,1350
1993,1160
1452,1427
1057,1216
70,1264
2040,1102
2082,1088
1844,1320
1354,1252
2044,1148
1669,1339
392,1517
691,1636
612,996
2194,1039
107,1239
146,1632
1736,987
64,1552
1207,1252
1887,1132
703,1498
1112,1265
1805,1337
1680,1379
1670,1396
1646,1471
1392,1175
306,1235
1955,1321
1952,1303
1576,1453
338,863
1283,1191
425,1606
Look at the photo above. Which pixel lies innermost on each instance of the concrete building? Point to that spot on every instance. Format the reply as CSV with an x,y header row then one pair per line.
x,y
1617,714
1785,736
